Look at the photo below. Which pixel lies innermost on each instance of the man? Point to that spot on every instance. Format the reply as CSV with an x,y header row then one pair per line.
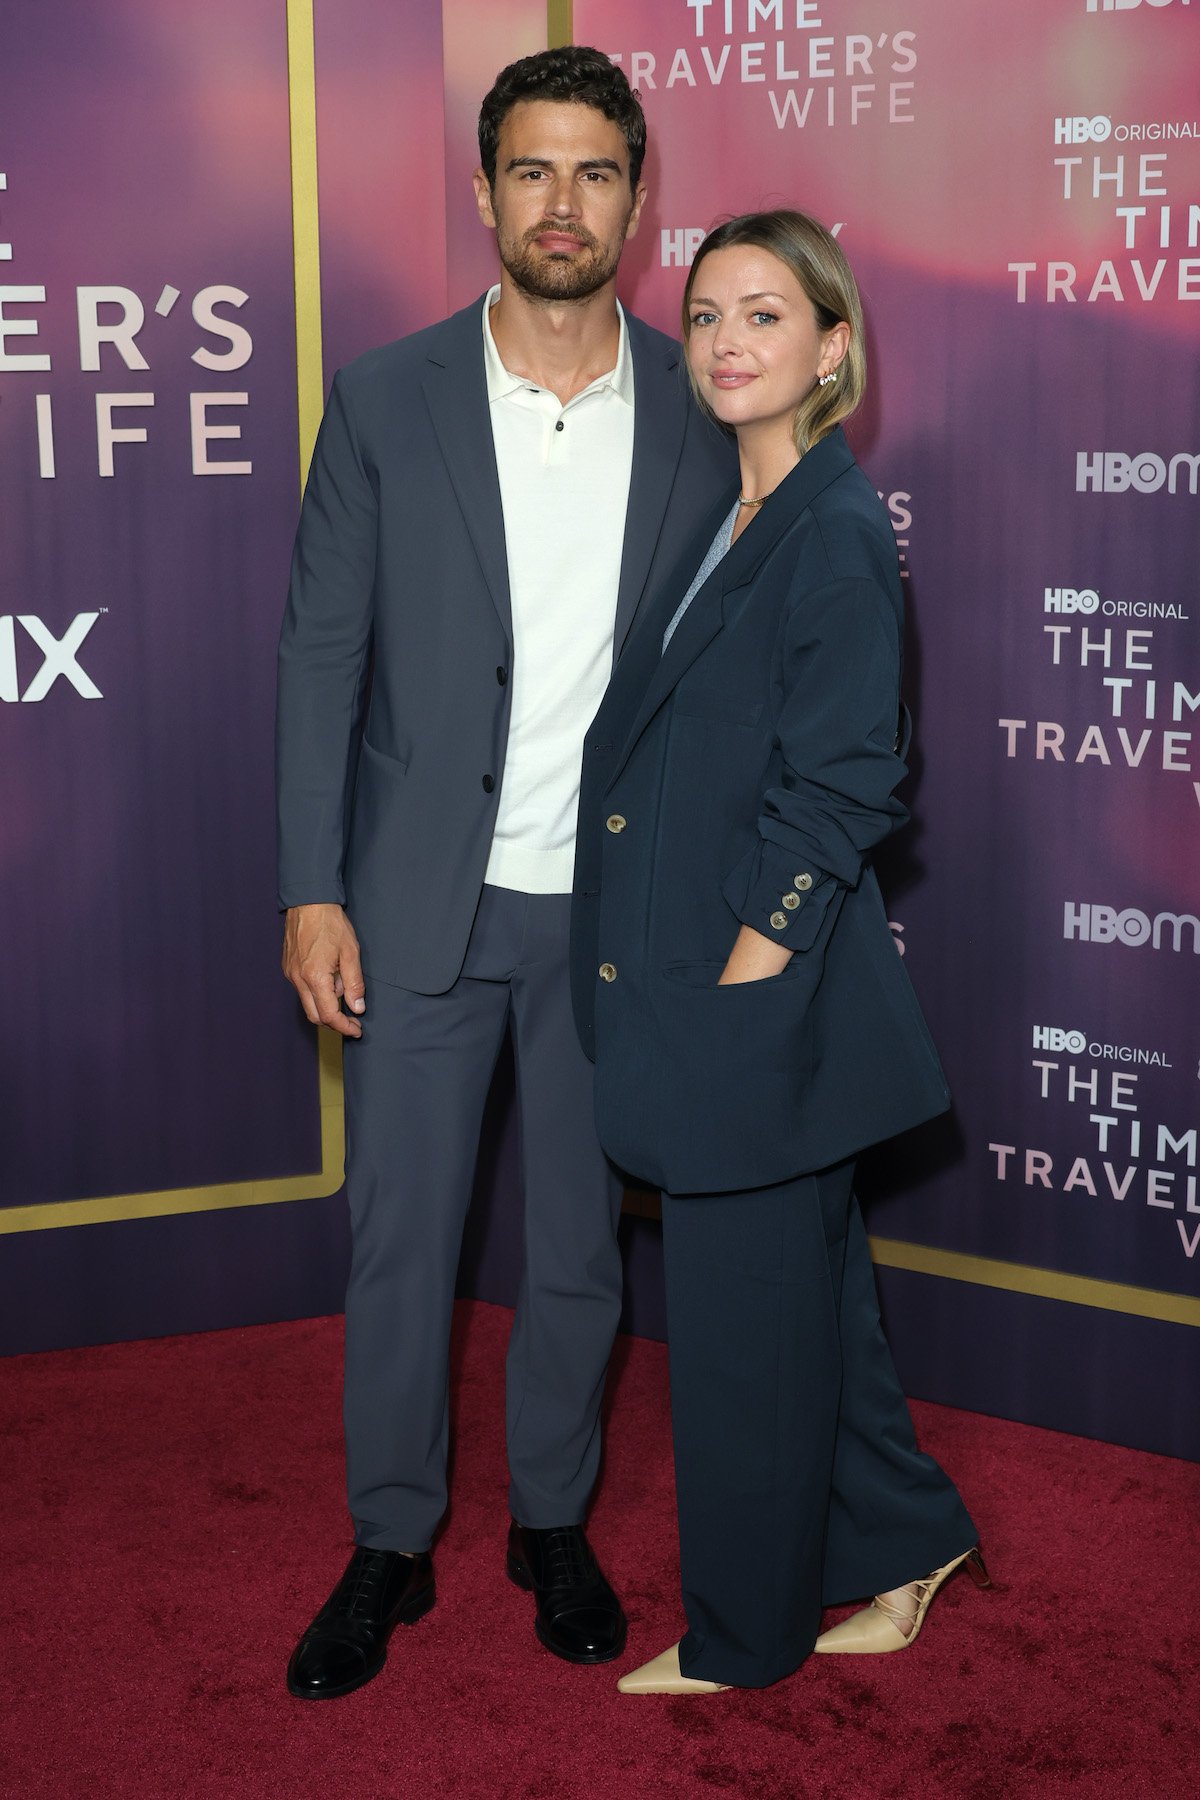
x,y
488,500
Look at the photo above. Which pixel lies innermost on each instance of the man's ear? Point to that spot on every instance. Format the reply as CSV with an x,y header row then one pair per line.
x,y
639,200
483,199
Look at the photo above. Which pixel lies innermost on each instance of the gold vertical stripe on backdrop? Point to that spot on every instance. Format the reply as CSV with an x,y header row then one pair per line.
x,y
306,237
560,24
310,402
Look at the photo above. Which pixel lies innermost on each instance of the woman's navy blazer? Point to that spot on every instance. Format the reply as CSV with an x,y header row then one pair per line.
x,y
745,775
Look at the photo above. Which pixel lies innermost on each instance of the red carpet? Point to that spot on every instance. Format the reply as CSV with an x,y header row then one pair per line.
x,y
173,1516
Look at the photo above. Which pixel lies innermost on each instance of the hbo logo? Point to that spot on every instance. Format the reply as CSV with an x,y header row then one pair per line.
x,y
1082,131
1048,1037
1071,600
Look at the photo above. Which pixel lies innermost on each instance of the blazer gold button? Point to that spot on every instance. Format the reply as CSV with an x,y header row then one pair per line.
x,y
607,972
804,882
779,920
615,822
791,901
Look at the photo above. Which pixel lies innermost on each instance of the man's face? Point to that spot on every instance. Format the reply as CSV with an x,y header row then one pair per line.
x,y
562,207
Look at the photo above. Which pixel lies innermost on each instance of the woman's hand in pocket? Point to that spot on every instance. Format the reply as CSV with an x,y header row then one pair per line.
x,y
753,958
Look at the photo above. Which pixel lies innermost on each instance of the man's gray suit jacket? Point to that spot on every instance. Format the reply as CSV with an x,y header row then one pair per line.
x,y
397,647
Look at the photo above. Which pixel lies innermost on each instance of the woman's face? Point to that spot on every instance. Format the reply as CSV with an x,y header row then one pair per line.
x,y
755,347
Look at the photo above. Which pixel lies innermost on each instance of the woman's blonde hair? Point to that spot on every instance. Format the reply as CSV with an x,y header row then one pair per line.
x,y
817,262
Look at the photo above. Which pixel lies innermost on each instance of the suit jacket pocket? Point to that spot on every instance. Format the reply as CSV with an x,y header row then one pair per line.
x,y
374,829
386,763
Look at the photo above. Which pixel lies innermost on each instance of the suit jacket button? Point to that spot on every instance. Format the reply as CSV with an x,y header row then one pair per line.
x,y
607,972
779,920
501,675
488,784
615,823
791,901
804,882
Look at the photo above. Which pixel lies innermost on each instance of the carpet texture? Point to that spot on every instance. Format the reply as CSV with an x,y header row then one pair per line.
x,y
173,1517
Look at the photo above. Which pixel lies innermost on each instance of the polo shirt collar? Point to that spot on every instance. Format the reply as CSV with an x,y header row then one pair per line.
x,y
501,381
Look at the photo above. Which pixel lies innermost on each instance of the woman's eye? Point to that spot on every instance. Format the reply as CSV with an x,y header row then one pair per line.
x,y
765,318
702,318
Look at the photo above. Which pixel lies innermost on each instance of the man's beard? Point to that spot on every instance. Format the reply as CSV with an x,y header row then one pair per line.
x,y
547,276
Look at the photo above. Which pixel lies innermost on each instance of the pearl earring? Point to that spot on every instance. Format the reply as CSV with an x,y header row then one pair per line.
x,y
824,380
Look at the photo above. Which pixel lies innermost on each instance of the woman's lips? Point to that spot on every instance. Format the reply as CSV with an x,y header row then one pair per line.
x,y
727,379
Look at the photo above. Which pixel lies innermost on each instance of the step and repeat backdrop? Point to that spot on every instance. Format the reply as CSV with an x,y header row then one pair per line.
x,y
203,215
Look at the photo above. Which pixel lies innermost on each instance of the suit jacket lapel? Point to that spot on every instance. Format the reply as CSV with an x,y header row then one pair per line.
x,y
655,676
660,418
456,393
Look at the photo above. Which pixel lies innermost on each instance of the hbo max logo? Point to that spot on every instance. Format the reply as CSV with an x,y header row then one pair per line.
x,y
1130,5
1105,925
60,657
1071,600
1048,1037
1112,472
1082,131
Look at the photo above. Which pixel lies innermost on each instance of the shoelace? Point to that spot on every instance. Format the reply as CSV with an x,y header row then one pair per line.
x,y
568,1563
359,1594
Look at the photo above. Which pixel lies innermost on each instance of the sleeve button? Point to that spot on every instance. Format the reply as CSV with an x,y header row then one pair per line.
x,y
779,920
804,882
791,901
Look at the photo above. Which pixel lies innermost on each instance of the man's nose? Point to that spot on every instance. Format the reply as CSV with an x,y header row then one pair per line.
x,y
563,199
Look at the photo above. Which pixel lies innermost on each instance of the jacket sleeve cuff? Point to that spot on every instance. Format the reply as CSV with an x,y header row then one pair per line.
x,y
779,896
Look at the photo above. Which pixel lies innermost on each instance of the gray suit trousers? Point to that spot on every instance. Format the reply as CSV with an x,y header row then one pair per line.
x,y
416,1083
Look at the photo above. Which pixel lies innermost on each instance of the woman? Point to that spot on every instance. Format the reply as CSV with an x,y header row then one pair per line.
x,y
753,1026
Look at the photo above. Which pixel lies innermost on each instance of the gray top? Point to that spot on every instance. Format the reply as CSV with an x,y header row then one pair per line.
x,y
716,550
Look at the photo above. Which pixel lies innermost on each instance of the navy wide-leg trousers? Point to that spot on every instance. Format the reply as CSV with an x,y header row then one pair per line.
x,y
799,1480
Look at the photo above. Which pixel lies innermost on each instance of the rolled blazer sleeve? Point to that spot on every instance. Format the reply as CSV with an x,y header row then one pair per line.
x,y
324,653
837,732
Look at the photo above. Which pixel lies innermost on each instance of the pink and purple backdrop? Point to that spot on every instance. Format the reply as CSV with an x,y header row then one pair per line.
x,y
1017,191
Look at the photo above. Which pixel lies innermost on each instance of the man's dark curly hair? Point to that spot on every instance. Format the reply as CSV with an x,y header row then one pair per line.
x,y
572,73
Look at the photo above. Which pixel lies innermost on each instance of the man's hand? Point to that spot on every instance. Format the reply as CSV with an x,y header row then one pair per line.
x,y
321,960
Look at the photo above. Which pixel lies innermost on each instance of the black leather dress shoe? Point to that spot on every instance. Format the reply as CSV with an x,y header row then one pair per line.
x,y
346,1644
578,1616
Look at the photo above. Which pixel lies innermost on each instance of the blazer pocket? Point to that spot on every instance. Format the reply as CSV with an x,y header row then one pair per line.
x,y
725,709
708,975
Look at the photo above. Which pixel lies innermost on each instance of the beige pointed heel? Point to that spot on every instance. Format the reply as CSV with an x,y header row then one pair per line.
x,y
664,1676
883,1626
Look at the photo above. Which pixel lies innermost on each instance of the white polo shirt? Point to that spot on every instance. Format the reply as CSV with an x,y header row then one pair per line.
x,y
564,484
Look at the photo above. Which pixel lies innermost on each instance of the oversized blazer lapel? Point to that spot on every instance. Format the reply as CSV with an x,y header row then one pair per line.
x,y
661,402
455,387
737,569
